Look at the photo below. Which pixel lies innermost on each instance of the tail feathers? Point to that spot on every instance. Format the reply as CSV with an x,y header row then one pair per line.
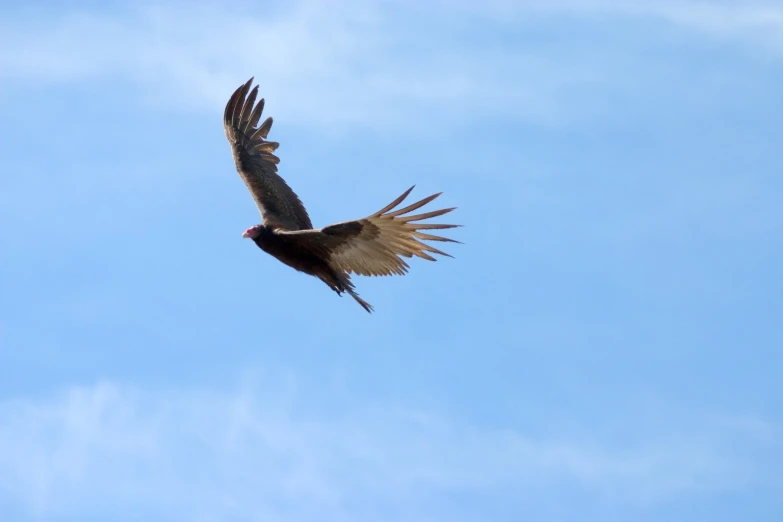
x,y
347,286
342,283
367,306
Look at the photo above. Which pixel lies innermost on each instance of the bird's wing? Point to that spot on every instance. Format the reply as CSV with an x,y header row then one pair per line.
x,y
375,245
256,162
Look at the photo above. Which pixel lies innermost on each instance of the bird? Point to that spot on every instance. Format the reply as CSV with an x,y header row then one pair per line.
x,y
370,246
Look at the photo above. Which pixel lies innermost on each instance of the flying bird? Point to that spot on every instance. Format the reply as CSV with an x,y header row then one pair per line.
x,y
371,246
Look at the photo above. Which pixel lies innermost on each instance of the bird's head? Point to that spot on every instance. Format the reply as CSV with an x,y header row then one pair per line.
x,y
253,232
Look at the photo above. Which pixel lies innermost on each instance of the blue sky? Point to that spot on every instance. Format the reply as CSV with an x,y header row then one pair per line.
x,y
605,345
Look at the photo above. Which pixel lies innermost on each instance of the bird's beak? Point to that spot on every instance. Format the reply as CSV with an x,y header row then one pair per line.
x,y
245,234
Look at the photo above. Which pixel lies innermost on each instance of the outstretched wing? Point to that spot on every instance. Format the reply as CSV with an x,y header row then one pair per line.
x,y
256,162
375,245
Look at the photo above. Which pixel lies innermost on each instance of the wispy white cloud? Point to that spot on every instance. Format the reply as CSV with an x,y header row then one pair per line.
x,y
757,24
723,17
324,64
751,23
259,453
348,64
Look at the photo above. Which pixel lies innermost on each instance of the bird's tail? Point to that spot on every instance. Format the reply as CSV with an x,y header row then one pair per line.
x,y
367,306
347,284
342,283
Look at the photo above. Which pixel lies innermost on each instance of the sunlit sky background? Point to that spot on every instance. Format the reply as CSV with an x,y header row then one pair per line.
x,y
605,345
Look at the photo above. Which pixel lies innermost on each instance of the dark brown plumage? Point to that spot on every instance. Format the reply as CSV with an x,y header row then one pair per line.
x,y
371,246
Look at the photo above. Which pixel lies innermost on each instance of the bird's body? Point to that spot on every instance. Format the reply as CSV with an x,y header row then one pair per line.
x,y
370,246
292,253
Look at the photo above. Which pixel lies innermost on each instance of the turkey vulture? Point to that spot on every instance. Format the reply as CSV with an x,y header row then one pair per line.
x,y
371,246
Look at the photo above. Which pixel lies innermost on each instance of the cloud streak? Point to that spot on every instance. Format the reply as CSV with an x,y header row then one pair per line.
x,y
260,453
337,67
326,66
